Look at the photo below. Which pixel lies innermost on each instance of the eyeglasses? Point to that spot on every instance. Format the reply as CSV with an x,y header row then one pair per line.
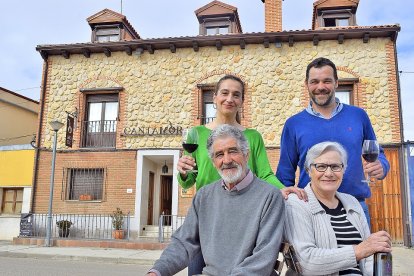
x,y
322,167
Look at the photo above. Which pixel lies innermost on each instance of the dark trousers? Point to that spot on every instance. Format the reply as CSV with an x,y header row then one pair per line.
x,y
196,265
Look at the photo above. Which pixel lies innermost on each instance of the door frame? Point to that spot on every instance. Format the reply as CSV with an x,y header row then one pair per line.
x,y
136,223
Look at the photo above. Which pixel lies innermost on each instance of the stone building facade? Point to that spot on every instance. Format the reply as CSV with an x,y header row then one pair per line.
x,y
158,88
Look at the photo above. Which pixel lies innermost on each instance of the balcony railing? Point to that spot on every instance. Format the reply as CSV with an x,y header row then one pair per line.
x,y
206,120
99,134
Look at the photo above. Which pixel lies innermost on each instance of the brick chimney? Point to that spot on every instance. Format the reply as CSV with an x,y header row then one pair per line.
x,y
273,15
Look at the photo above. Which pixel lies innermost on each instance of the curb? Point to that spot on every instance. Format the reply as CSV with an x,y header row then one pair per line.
x,y
119,260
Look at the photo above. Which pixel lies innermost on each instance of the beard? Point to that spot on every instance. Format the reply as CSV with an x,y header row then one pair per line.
x,y
322,103
230,177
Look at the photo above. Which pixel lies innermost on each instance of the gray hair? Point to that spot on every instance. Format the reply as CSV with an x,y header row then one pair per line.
x,y
225,131
320,148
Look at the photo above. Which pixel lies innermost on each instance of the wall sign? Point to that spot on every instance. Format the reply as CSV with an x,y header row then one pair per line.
x,y
169,130
70,122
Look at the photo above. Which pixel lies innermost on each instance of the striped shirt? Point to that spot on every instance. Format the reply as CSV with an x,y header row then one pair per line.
x,y
345,232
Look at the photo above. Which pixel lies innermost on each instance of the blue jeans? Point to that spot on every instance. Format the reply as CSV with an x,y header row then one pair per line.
x,y
366,212
196,264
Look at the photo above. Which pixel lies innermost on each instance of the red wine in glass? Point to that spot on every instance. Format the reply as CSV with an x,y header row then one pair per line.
x,y
370,157
190,142
370,151
190,148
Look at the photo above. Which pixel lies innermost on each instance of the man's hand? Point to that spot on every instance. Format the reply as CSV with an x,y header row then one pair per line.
x,y
377,242
185,163
298,191
374,169
151,274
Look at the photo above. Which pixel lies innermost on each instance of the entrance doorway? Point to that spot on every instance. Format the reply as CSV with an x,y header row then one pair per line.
x,y
166,198
156,188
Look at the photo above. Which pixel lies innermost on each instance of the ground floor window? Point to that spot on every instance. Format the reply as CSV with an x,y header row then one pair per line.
x,y
12,201
85,183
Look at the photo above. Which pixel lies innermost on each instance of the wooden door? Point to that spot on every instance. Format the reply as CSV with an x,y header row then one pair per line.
x,y
166,198
150,198
385,204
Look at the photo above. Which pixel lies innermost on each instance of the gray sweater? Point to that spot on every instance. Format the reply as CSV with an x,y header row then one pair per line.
x,y
239,232
308,229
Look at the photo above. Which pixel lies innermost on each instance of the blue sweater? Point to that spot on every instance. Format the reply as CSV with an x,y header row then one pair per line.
x,y
350,127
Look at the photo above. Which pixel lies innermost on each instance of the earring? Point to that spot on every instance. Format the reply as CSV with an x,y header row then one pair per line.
x,y
214,106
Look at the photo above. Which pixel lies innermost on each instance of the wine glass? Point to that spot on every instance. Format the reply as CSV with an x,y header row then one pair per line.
x,y
370,151
190,141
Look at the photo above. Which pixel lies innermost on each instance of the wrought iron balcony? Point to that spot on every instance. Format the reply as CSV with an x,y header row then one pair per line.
x,y
206,120
99,134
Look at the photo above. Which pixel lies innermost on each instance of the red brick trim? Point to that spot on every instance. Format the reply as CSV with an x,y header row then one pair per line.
x,y
45,128
393,92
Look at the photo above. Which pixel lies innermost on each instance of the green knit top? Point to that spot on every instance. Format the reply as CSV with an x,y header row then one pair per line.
x,y
207,173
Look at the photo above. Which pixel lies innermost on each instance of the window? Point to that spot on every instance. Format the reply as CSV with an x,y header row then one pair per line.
x,y
342,22
99,128
105,34
337,18
12,201
217,30
334,22
85,183
216,25
207,112
344,93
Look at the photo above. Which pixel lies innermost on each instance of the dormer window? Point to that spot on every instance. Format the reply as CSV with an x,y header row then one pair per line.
x,y
218,18
107,33
334,13
108,26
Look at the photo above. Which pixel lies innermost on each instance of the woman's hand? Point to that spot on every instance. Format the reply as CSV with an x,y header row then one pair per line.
x,y
185,163
298,191
376,242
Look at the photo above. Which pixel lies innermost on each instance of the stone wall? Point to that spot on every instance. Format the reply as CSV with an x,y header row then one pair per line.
x,y
160,88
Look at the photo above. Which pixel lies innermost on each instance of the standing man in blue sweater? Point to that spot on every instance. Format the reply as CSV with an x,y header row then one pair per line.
x,y
327,119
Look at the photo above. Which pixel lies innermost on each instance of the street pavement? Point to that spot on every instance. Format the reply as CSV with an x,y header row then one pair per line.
x,y
403,258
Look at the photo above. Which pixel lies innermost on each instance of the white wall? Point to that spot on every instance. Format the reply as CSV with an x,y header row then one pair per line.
x,y
10,224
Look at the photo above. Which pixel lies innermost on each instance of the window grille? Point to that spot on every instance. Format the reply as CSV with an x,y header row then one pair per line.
x,y
85,183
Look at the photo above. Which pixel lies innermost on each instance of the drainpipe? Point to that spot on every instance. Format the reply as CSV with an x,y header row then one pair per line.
x,y
39,128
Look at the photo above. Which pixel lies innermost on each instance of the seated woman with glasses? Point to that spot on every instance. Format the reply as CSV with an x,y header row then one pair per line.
x,y
330,233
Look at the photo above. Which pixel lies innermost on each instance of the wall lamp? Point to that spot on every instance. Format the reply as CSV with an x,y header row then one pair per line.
x,y
278,44
139,51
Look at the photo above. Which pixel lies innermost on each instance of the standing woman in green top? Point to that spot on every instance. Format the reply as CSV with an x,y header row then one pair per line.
x,y
228,99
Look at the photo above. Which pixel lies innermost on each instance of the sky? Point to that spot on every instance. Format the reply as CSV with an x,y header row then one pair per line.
x,y
24,24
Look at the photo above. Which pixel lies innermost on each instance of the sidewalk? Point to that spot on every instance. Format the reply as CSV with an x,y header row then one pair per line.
x,y
87,254
403,258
